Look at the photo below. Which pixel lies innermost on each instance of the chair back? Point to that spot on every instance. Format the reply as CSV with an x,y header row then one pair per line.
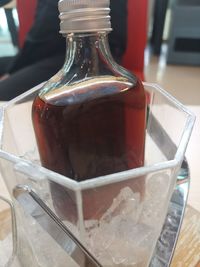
x,y
26,12
137,36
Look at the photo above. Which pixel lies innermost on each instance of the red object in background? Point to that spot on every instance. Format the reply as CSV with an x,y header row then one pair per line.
x,y
137,36
26,12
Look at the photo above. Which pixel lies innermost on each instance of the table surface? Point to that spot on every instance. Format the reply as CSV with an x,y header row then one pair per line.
x,y
188,249
187,252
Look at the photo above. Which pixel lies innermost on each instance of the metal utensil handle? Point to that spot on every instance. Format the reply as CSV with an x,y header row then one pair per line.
x,y
166,244
14,230
31,203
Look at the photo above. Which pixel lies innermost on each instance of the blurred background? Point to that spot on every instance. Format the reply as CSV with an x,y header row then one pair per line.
x,y
8,29
172,54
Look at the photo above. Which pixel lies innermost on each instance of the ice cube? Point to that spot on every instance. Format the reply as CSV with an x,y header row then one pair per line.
x,y
118,239
156,194
127,203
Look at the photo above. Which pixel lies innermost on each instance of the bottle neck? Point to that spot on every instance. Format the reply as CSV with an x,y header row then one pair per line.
x,y
88,54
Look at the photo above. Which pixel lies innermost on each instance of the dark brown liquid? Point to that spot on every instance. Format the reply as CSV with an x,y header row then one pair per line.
x,y
92,132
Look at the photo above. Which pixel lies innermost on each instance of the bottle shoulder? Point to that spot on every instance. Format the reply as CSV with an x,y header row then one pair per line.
x,y
87,89
77,83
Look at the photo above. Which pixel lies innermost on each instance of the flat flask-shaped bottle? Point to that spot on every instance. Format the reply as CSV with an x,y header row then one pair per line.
x,y
89,118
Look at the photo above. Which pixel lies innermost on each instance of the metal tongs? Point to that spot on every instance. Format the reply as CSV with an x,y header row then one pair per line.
x,y
34,206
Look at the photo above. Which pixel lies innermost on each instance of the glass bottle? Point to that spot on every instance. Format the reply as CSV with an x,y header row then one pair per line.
x,y
89,118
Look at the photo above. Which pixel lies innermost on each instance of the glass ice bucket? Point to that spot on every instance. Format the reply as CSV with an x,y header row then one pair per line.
x,y
130,207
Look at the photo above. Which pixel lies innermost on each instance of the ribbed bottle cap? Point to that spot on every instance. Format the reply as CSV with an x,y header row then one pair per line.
x,y
84,15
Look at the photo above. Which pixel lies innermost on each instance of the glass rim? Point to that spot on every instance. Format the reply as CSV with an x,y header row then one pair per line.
x,y
38,172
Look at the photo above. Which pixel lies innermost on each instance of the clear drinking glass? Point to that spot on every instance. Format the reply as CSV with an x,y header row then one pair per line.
x,y
127,232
